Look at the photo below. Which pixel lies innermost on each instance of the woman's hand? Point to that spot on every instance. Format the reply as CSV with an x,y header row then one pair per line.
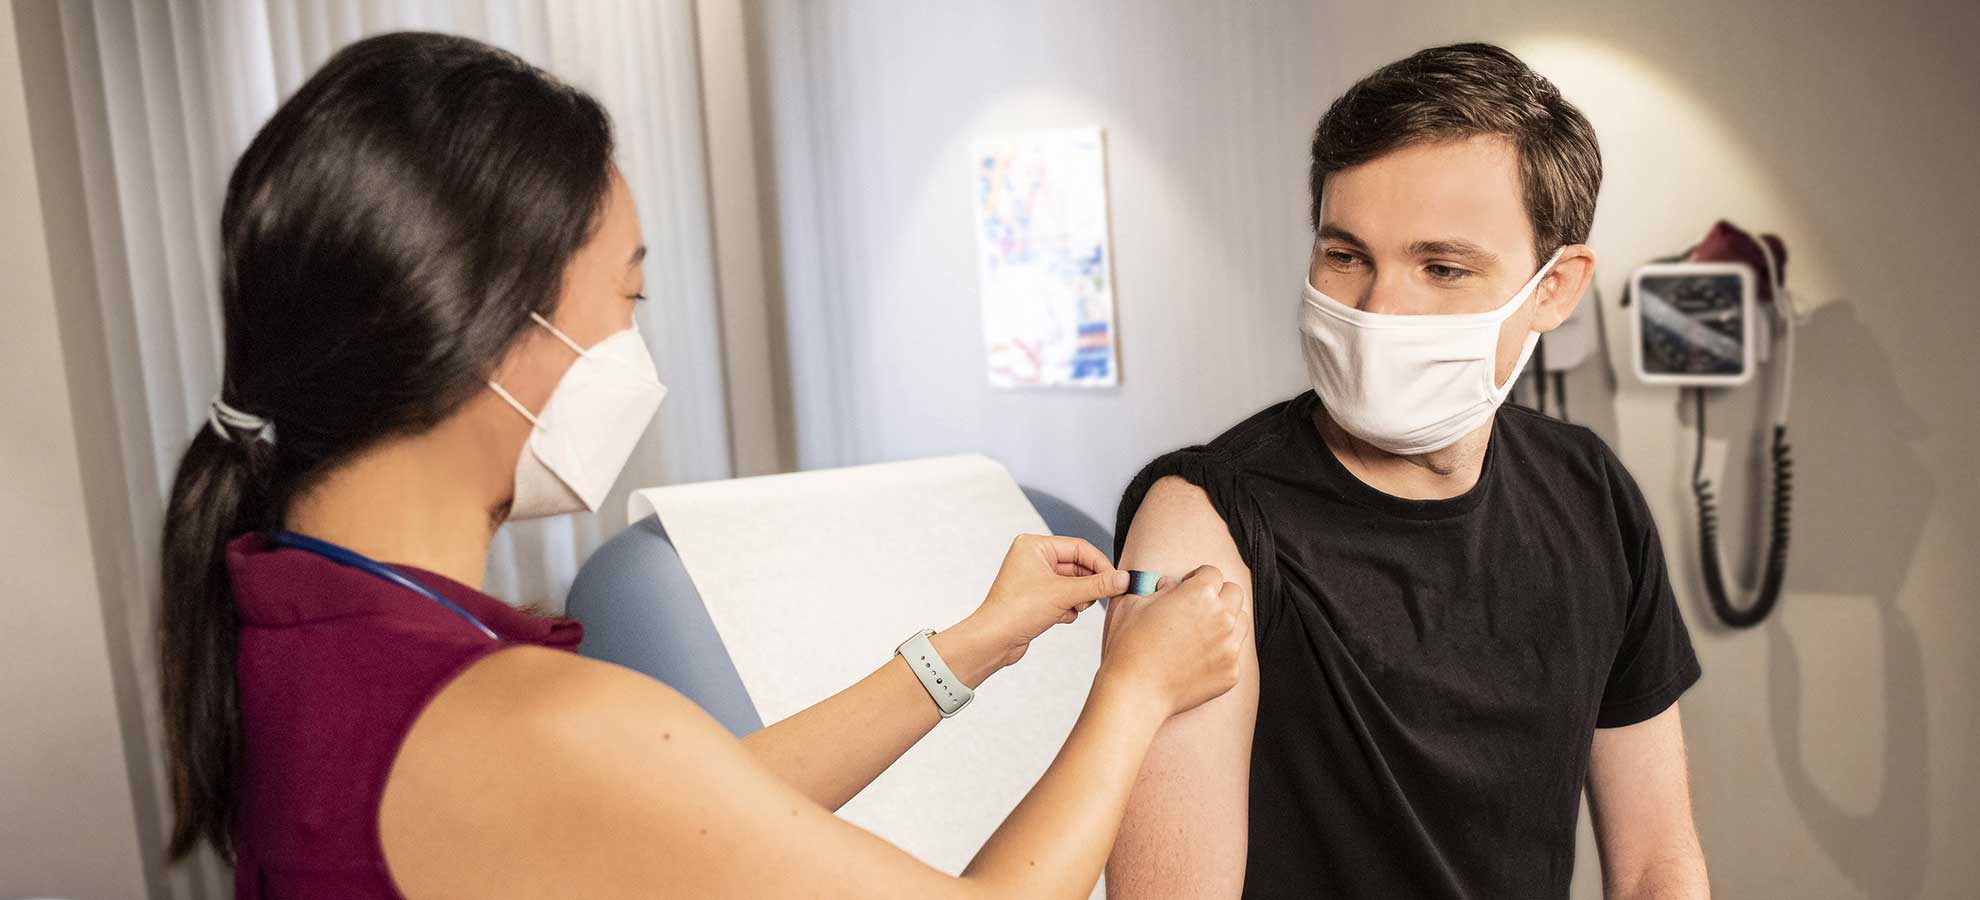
x,y
1180,644
1046,580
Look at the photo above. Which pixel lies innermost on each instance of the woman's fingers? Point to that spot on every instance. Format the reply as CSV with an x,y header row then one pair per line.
x,y
1235,598
1210,573
1083,591
1061,549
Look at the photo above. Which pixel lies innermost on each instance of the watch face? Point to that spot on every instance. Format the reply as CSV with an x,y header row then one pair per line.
x,y
1693,323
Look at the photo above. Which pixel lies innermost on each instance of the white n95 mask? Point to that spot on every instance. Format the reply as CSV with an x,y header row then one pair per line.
x,y
580,441
1409,384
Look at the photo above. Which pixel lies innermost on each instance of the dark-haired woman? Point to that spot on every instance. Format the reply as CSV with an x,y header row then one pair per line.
x,y
429,274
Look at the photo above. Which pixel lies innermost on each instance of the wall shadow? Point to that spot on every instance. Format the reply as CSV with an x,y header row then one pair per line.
x,y
1863,497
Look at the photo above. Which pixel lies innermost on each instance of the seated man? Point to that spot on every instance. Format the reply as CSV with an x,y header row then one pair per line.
x,y
1462,613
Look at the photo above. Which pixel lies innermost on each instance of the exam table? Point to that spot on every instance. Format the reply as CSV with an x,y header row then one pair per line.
x,y
640,610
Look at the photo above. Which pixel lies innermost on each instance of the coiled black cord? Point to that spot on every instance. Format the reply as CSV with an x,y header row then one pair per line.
x,y
1777,540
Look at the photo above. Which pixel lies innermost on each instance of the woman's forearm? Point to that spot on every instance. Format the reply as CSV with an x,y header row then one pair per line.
x,y
834,748
1056,841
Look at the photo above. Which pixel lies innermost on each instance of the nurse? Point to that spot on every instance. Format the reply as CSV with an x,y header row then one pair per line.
x,y
428,274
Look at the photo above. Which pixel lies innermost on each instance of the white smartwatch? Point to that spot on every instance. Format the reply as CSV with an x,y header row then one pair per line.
x,y
950,695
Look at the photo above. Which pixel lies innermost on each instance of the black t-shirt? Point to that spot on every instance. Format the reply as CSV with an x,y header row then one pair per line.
x,y
1432,671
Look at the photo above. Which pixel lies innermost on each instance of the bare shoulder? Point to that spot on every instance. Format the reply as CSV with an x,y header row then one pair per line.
x,y
522,767
1178,528
535,699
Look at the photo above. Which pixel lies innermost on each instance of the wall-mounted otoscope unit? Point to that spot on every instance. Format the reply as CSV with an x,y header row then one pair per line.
x,y
1710,318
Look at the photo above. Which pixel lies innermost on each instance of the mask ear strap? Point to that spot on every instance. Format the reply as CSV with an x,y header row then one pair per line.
x,y
1501,391
513,402
1532,285
517,405
560,335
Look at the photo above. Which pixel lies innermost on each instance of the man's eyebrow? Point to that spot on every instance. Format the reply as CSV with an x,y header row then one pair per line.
x,y
1337,233
637,256
1456,248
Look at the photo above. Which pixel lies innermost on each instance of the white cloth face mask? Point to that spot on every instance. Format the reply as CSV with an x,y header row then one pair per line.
x,y
1409,384
581,440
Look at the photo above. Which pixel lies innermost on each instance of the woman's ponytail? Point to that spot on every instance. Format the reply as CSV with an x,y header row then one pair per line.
x,y
220,492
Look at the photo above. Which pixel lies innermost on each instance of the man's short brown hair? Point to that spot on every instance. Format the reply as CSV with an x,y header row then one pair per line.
x,y
1461,91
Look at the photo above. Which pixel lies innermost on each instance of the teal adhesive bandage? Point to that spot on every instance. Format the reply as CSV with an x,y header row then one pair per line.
x,y
1143,583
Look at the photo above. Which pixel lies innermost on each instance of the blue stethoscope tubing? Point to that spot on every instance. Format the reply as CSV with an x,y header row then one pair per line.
x,y
353,559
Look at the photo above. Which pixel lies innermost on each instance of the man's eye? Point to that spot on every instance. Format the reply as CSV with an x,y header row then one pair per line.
x,y
1340,259
1446,273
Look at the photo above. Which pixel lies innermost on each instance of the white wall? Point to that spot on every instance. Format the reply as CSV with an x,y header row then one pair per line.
x,y
1833,747
68,822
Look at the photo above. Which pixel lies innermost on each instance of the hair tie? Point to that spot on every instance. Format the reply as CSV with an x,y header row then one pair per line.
x,y
222,417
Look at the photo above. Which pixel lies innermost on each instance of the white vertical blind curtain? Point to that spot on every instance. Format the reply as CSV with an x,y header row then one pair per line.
x,y
797,64
167,96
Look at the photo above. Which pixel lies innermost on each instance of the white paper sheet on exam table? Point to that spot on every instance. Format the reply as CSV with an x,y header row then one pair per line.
x,y
812,578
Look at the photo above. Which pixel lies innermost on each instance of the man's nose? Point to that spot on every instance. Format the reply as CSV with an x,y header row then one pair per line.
x,y
1386,295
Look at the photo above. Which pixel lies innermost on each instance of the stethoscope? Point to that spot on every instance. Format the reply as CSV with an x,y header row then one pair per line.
x,y
369,566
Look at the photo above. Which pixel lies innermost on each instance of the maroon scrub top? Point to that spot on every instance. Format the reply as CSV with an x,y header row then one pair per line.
x,y
335,664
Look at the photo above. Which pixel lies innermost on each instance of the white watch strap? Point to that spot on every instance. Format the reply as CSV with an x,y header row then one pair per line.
x,y
950,695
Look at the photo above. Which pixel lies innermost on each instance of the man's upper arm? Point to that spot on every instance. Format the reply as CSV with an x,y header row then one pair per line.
x,y
1186,827
1639,799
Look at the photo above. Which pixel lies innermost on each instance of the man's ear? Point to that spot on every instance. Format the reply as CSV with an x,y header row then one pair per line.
x,y
1561,291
